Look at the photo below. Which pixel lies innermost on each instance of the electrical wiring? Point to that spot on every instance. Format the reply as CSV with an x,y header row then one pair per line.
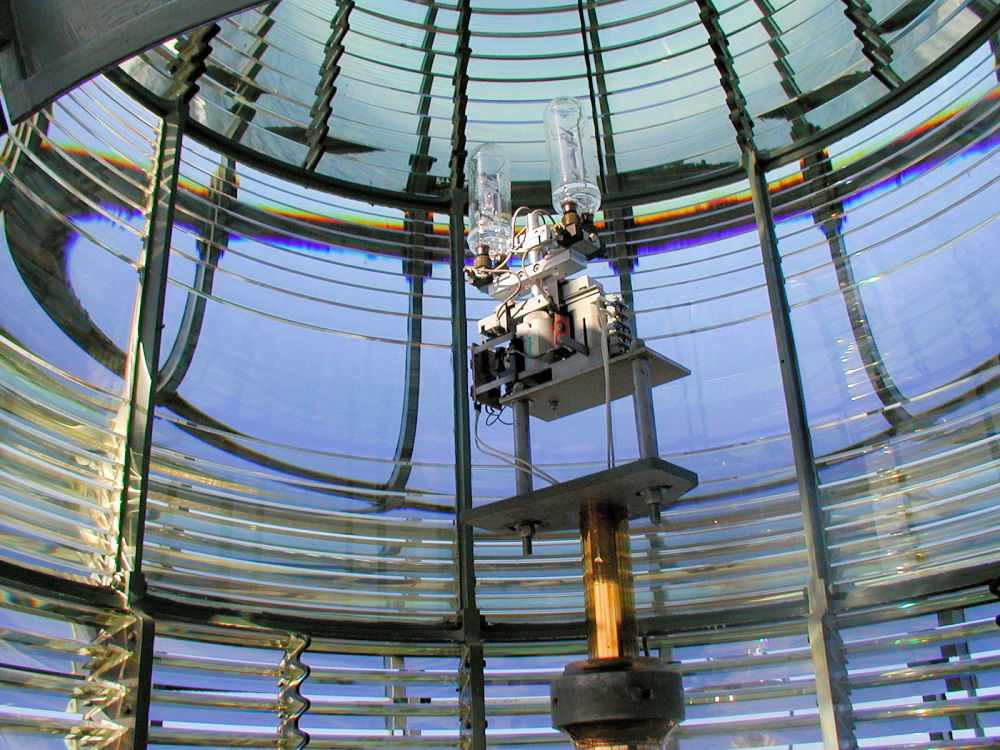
x,y
513,220
602,317
496,415
517,463
545,216
521,276
518,235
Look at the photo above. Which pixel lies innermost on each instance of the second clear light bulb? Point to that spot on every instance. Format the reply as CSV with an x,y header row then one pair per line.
x,y
571,178
489,201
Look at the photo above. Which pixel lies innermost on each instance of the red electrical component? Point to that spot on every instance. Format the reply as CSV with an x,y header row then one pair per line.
x,y
560,330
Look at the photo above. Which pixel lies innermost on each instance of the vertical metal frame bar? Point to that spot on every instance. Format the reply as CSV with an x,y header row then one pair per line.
x,y
472,694
619,220
142,375
832,688
143,359
967,683
114,695
322,109
395,724
244,86
523,479
143,365
142,688
292,672
874,47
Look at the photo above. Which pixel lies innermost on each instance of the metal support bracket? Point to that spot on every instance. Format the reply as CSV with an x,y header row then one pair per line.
x,y
581,390
558,506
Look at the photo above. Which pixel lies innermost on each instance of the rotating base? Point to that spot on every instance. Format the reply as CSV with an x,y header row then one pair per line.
x,y
628,701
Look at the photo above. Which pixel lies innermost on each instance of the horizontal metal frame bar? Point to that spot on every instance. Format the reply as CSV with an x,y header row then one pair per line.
x,y
843,600
49,586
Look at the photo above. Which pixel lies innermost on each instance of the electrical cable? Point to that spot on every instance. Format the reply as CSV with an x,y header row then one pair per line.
x,y
517,463
544,214
496,415
513,220
515,233
521,276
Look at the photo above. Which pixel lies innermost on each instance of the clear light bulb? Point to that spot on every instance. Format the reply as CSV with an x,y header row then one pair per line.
x,y
572,180
489,201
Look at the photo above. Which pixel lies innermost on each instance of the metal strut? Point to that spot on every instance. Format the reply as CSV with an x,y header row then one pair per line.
x,y
836,715
472,687
319,127
875,48
614,699
142,375
114,697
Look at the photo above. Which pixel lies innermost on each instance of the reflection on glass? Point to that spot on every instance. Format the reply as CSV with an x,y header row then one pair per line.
x,y
303,473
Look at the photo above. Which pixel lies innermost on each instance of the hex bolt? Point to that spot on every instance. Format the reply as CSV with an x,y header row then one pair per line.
x,y
526,530
653,496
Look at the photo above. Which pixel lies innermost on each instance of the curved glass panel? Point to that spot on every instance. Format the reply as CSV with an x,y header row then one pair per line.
x,y
215,686
903,411
277,492
283,320
73,186
363,92
55,680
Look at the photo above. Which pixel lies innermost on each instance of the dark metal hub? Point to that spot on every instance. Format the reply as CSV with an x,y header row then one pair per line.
x,y
623,701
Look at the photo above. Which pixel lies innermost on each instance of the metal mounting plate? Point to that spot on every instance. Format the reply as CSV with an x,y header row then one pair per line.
x,y
558,506
581,390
